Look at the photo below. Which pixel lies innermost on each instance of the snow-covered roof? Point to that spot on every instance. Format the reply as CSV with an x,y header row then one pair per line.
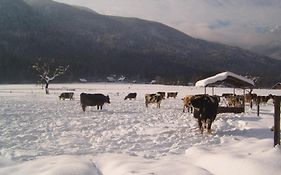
x,y
227,79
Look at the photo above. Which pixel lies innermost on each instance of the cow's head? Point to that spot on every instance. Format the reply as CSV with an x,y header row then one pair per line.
x,y
107,100
159,97
198,102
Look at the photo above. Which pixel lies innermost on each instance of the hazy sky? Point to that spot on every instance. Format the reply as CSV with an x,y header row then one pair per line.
x,y
228,21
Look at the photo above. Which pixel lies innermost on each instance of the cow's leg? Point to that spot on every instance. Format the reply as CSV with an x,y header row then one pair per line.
x,y
183,110
189,109
158,105
209,121
100,107
205,124
200,125
83,108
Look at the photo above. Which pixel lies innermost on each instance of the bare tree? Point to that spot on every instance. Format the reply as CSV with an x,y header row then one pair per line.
x,y
47,73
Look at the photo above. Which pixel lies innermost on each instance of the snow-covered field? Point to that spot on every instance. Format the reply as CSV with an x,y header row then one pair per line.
x,y
41,135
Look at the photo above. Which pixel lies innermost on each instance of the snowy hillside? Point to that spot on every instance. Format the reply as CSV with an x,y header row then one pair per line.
x,y
41,135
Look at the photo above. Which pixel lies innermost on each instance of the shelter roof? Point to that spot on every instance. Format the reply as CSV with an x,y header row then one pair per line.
x,y
226,79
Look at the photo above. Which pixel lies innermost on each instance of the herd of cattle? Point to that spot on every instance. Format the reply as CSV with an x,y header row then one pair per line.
x,y
205,107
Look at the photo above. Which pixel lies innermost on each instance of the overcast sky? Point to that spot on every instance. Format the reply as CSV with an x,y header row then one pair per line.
x,y
228,21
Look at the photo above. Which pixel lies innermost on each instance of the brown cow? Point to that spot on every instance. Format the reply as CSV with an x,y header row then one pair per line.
x,y
187,103
235,100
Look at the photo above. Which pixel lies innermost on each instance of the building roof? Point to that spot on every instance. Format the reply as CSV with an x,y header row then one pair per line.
x,y
226,79
277,86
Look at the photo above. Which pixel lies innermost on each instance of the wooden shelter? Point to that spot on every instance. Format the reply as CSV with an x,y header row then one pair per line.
x,y
227,79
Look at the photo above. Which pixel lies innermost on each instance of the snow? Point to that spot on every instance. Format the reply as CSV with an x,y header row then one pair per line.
x,y
41,135
220,77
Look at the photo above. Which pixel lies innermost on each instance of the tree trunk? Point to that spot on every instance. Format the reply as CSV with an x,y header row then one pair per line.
x,y
47,88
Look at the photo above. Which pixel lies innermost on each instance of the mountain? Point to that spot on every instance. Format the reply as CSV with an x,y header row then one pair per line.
x,y
272,48
247,24
96,45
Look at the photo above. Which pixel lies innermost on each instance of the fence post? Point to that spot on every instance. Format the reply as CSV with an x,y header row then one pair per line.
x,y
277,120
244,104
251,104
258,106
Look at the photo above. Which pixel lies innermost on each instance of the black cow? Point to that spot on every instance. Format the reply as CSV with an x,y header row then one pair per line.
x,y
172,94
66,95
206,110
131,96
153,98
93,100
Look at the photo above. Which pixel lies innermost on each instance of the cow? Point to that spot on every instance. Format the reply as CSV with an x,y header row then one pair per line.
x,y
187,103
172,94
131,96
153,98
206,110
250,97
67,95
93,100
234,100
162,94
263,99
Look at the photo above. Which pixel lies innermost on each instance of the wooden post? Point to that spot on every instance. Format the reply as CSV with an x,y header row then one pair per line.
x,y
251,102
258,106
277,120
244,94
205,90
